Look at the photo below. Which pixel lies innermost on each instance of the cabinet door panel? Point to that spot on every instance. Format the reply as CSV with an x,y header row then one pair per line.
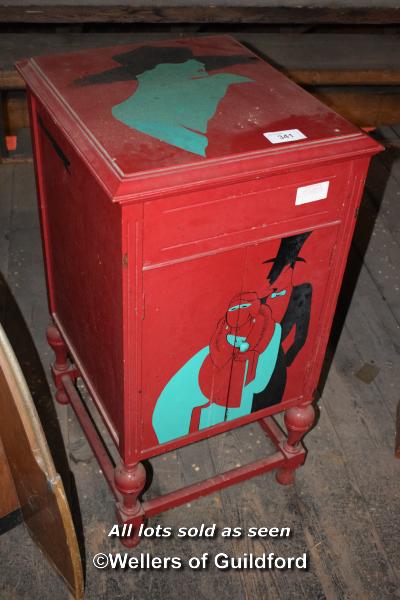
x,y
182,301
230,334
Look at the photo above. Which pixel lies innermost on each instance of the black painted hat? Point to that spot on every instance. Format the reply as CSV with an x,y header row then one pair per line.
x,y
288,254
137,61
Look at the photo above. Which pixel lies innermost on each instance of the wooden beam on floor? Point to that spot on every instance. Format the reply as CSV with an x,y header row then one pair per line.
x,y
199,14
11,80
363,106
309,59
311,77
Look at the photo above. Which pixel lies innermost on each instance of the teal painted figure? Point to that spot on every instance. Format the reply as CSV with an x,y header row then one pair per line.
x,y
176,96
219,382
174,102
182,395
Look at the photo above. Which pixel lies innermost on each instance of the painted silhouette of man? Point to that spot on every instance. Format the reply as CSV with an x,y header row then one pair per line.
x,y
175,96
291,307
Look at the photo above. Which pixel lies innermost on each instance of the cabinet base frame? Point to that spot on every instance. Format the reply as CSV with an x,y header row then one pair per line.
x,y
126,483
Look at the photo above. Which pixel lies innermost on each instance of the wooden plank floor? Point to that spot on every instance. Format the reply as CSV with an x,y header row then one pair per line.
x,y
344,509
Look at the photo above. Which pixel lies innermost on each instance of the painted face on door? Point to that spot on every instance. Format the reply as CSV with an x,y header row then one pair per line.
x,y
242,309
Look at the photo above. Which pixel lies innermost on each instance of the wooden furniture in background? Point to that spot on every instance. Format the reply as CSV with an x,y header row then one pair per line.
x,y
10,513
36,486
200,13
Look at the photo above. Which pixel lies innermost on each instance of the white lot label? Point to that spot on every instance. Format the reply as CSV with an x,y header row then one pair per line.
x,y
311,193
281,137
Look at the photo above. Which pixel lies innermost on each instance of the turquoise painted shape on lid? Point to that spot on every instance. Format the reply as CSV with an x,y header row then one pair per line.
x,y
174,102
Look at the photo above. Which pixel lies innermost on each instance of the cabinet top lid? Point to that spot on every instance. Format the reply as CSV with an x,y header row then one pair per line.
x,y
166,105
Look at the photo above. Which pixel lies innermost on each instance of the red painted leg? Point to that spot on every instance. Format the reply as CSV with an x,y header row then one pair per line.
x,y
298,421
59,348
61,364
130,481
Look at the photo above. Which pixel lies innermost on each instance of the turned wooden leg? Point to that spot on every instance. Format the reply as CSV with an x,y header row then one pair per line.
x,y
130,482
298,420
61,363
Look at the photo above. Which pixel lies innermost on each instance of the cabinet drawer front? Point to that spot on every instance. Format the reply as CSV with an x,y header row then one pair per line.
x,y
199,223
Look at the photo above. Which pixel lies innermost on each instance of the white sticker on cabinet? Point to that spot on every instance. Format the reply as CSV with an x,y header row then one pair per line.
x,y
282,137
312,193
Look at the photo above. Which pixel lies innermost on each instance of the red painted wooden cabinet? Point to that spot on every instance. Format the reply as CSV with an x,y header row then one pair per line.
x,y
197,210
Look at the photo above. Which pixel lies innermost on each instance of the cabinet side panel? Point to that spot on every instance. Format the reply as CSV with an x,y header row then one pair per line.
x,y
358,174
82,230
